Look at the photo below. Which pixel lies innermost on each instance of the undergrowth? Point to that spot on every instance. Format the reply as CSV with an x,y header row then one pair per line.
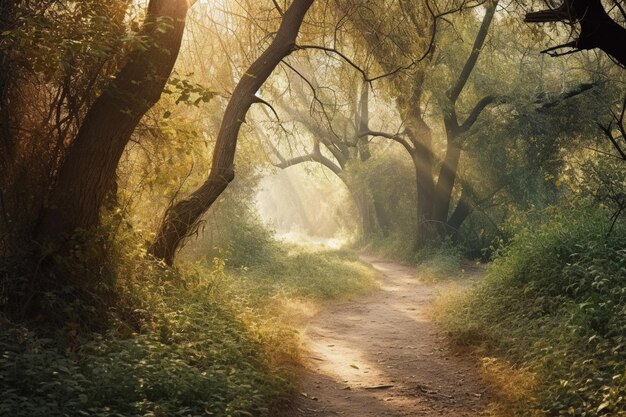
x,y
200,340
319,275
553,304
441,261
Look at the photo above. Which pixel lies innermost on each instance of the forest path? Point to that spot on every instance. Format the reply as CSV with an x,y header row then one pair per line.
x,y
381,355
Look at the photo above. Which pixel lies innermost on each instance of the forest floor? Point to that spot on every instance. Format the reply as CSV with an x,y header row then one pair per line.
x,y
381,355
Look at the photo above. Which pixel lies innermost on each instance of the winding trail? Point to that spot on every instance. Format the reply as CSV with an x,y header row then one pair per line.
x,y
381,355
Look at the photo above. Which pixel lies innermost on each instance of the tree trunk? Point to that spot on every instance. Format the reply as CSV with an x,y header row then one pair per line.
x,y
384,225
181,219
364,207
445,183
89,169
459,215
7,143
422,158
448,172
363,124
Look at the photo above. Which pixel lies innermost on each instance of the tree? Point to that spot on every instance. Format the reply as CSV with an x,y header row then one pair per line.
x,y
337,142
597,28
434,195
88,171
182,217
55,59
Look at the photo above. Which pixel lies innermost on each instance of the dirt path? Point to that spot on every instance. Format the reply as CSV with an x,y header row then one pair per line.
x,y
381,356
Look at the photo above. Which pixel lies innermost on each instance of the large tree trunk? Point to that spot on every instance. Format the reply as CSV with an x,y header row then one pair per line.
x,y
89,169
181,218
422,158
7,143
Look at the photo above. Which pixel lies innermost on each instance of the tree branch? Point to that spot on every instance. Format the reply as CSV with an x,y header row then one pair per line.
x,y
597,28
476,112
350,62
311,157
454,93
395,137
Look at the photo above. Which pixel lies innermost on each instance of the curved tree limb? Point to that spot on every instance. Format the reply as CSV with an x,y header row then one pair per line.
x,y
597,28
181,219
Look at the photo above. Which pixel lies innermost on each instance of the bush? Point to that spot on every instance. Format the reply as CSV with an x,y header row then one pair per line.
x,y
194,341
193,356
554,302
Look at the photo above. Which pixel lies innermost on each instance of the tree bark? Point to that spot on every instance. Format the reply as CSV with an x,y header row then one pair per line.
x,y
86,176
181,219
7,142
363,124
447,174
422,157
459,215
445,184
597,29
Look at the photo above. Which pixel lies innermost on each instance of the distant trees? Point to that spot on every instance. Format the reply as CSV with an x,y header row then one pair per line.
x,y
434,195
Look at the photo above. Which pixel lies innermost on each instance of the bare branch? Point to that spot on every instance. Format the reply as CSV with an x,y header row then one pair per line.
x,y
350,62
311,157
476,112
479,42
609,134
277,6
397,137
259,100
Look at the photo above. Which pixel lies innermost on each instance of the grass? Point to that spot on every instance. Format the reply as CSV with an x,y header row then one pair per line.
x,y
552,308
320,275
203,340
439,262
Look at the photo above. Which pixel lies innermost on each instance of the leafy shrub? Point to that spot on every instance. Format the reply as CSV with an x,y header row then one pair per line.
x,y
200,340
192,357
247,241
554,301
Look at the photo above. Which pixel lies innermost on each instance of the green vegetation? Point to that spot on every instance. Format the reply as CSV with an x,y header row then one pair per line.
x,y
206,340
322,275
441,261
138,273
553,304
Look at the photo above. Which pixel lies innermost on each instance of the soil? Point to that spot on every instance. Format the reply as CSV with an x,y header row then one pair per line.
x,y
381,355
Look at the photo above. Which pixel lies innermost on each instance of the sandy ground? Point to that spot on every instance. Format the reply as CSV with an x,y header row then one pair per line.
x,y
381,355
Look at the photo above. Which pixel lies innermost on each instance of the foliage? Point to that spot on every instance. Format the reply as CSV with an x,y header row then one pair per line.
x,y
388,182
553,302
197,341
191,356
245,240
319,275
